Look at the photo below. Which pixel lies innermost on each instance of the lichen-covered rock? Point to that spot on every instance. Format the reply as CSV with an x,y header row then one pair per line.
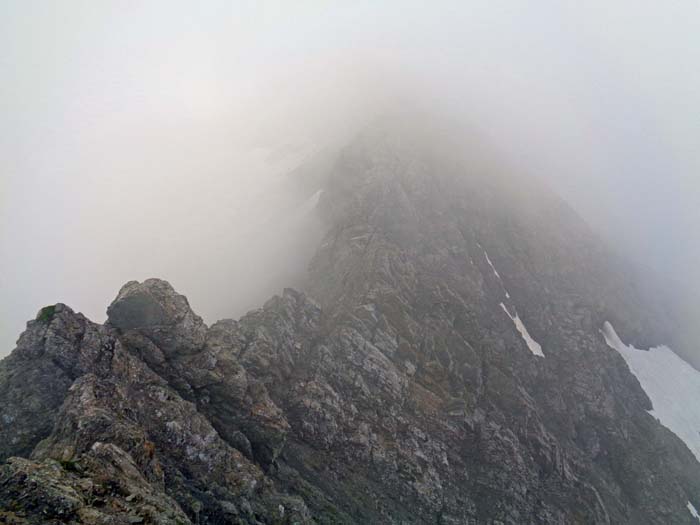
x,y
109,396
103,487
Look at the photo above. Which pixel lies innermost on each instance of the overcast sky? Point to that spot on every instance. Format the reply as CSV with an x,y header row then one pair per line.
x,y
145,139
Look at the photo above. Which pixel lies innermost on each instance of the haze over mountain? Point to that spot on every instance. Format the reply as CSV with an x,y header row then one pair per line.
x,y
445,258
152,139
461,349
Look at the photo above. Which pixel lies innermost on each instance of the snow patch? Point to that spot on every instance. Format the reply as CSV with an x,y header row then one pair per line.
x,y
533,345
488,260
673,386
693,511
495,272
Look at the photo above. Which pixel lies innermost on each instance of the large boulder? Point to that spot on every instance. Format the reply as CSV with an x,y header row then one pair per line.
x,y
154,310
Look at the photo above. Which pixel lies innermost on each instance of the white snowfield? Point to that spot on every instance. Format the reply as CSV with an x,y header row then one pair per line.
x,y
533,345
673,386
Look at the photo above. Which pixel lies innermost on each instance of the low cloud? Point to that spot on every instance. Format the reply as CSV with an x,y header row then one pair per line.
x,y
156,139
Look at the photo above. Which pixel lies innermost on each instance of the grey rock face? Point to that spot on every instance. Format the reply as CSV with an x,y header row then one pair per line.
x,y
406,394
57,348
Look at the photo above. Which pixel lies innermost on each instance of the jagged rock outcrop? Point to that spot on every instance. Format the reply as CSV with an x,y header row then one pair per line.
x,y
115,398
411,392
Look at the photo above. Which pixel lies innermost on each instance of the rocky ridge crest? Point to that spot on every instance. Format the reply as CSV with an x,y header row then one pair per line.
x,y
404,393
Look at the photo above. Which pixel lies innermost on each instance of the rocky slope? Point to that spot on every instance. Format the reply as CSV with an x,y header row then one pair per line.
x,y
444,365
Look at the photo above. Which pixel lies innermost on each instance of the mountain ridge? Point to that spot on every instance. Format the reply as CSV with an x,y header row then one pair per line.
x,y
397,387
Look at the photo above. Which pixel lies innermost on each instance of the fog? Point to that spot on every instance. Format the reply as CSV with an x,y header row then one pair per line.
x,y
143,139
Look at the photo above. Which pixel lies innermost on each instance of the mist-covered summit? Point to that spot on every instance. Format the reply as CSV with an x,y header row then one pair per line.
x,y
444,363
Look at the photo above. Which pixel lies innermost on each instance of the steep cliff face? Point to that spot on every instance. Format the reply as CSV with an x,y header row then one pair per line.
x,y
445,364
